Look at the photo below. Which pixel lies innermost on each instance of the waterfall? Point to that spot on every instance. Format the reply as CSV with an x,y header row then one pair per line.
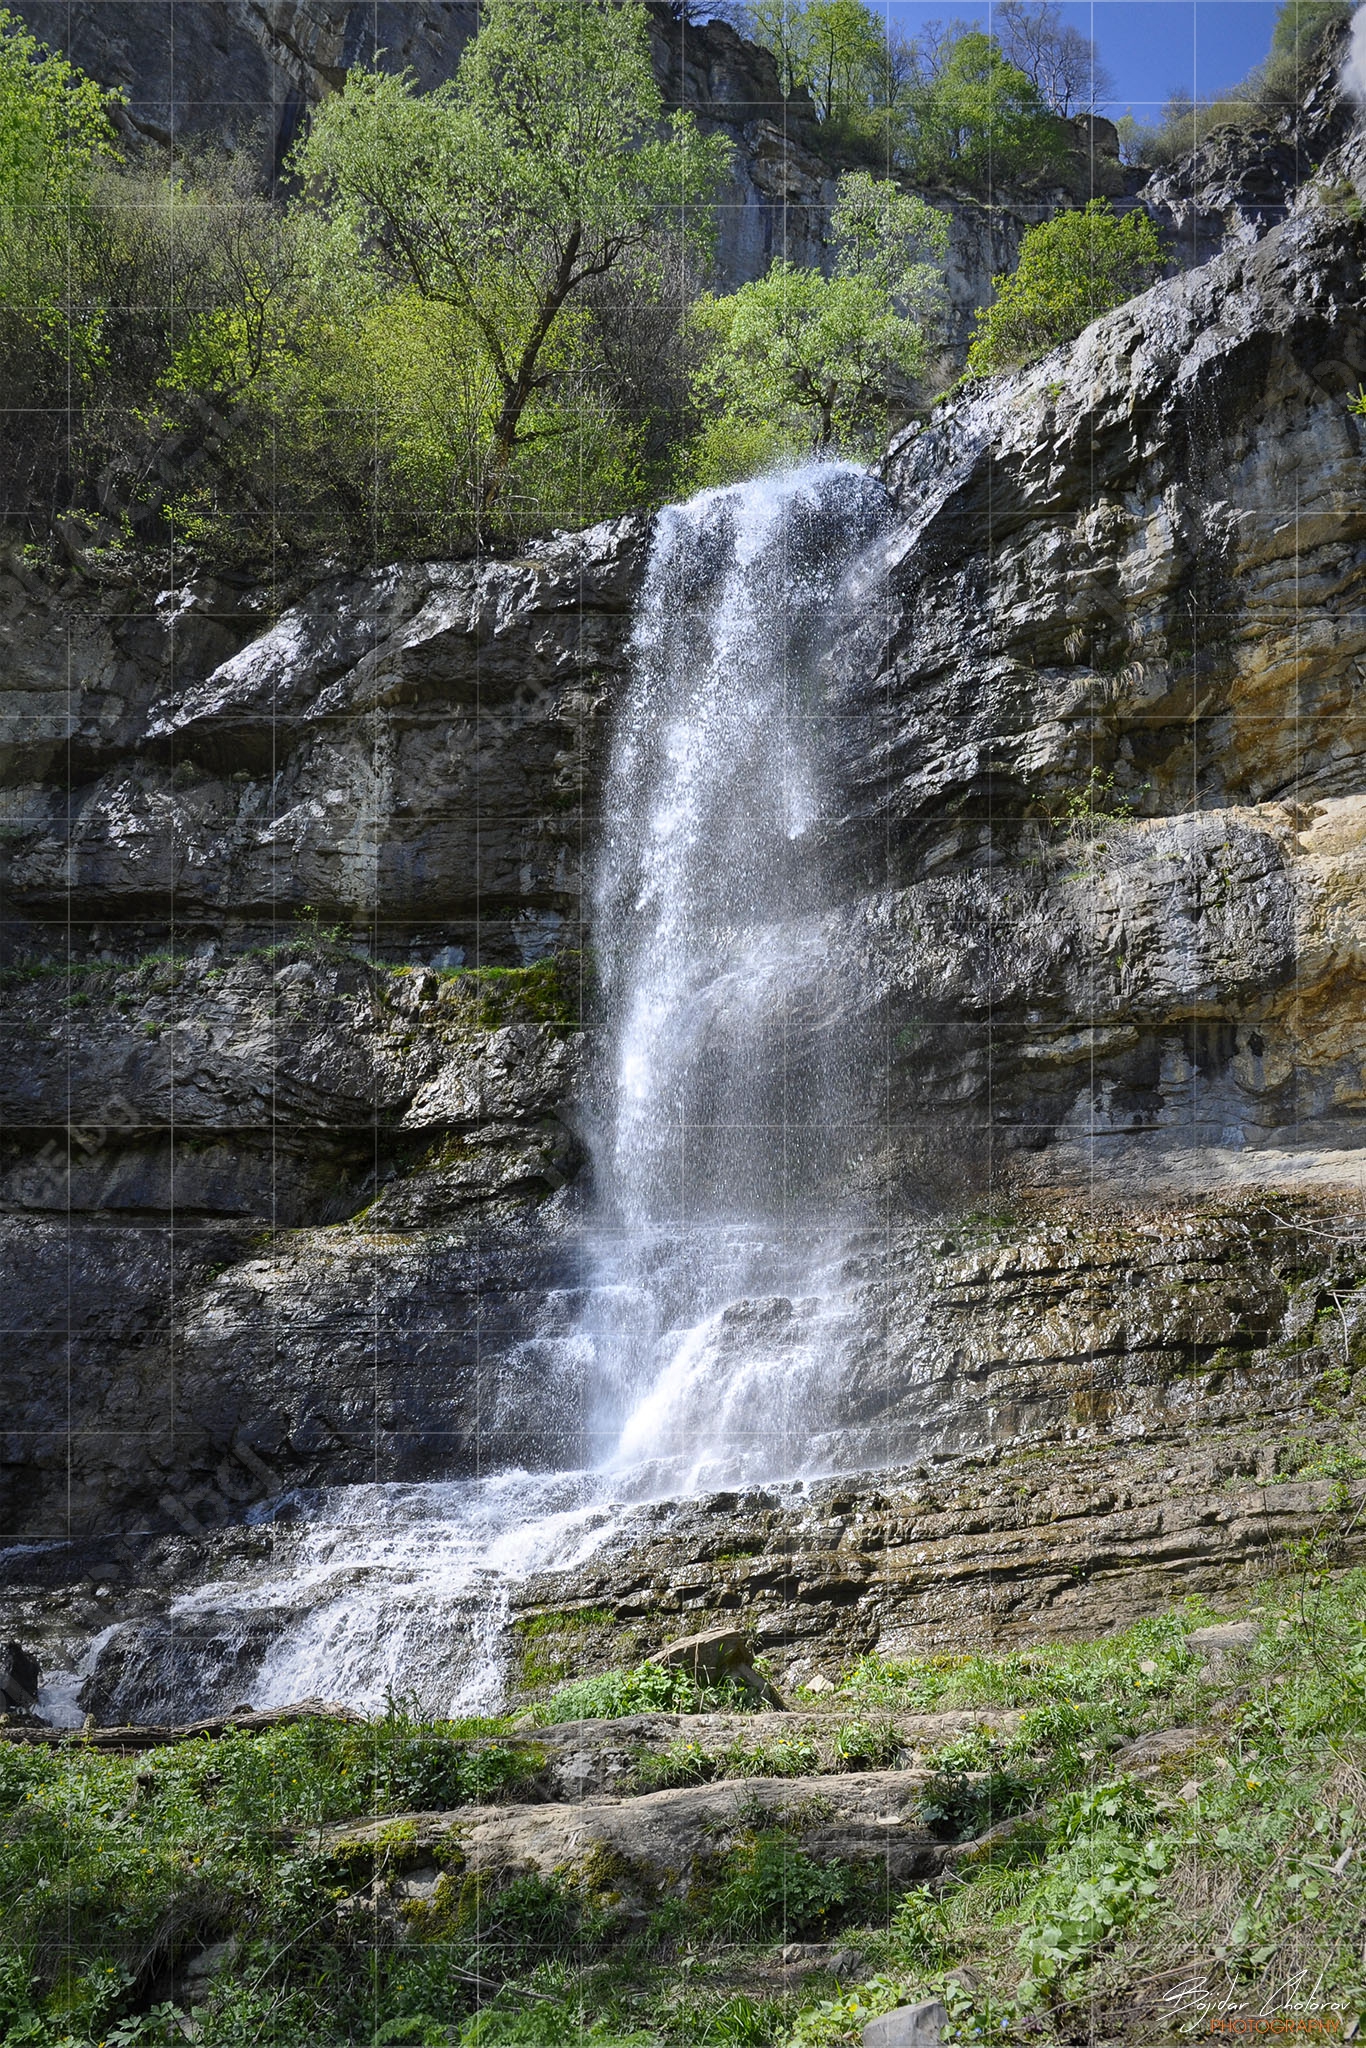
x,y
724,1117
710,1339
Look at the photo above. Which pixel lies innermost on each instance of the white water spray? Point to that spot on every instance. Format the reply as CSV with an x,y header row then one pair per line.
x,y
1354,63
725,1141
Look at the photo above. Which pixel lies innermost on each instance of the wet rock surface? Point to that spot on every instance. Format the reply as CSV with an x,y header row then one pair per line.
x,y
163,1129
1070,1541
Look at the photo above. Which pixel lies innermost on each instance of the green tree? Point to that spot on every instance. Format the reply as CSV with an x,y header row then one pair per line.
x,y
797,358
972,118
838,51
55,132
56,135
506,192
1072,269
54,123
784,27
846,49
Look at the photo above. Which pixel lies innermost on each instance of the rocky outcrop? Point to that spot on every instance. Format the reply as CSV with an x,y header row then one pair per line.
x,y
670,1841
241,74
1243,180
988,1552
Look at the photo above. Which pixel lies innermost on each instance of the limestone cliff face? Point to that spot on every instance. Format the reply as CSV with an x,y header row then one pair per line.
x,y
280,1214
240,73
1121,727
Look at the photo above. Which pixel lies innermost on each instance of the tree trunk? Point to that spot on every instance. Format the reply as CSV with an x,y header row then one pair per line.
x,y
517,393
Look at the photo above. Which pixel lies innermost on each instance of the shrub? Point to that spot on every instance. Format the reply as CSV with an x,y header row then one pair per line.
x,y
1072,269
645,1689
772,1887
868,1746
1099,1887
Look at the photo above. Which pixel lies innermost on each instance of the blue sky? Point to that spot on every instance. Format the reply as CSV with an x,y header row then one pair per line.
x,y
1149,46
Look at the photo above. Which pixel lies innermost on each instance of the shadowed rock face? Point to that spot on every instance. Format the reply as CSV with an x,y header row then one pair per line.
x,y
245,75
161,1128
1101,873
410,754
408,749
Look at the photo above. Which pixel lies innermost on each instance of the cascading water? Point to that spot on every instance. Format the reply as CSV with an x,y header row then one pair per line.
x,y
725,1117
708,1342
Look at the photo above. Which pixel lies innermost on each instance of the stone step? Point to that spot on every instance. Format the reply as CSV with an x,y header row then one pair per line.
x,y
659,1840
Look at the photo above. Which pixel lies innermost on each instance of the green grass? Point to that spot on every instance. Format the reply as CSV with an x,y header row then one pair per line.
x,y
1229,1874
552,1646
1081,1674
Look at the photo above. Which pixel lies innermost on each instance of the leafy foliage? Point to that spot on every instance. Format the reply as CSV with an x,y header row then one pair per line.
x,y
55,127
837,51
644,1689
771,1887
1072,269
1097,1887
819,358
454,333
502,194
972,118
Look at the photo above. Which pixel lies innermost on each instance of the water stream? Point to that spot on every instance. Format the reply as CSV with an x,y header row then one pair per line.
x,y
708,1342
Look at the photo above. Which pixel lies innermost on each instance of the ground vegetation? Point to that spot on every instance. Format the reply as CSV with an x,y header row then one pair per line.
x,y
1156,1830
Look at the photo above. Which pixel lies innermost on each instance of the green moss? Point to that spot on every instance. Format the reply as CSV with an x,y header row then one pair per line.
x,y
560,1621
490,997
555,1645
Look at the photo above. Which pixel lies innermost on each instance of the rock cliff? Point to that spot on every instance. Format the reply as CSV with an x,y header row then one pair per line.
x,y
284,1205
